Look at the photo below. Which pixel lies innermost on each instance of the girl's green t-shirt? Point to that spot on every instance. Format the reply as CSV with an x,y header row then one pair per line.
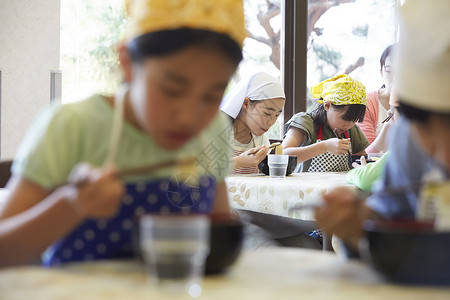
x,y
65,135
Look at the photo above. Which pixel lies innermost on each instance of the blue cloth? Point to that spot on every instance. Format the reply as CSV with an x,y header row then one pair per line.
x,y
116,237
405,167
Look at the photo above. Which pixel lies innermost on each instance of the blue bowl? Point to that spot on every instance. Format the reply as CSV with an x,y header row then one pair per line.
x,y
408,251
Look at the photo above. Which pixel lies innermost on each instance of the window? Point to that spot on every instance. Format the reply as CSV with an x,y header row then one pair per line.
x,y
90,31
348,37
262,46
323,38
300,42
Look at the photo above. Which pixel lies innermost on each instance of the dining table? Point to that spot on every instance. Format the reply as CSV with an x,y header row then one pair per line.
x,y
276,196
280,196
265,273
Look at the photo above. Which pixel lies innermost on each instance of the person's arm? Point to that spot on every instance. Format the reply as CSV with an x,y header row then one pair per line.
x,y
381,142
221,205
250,158
295,137
406,164
343,215
31,218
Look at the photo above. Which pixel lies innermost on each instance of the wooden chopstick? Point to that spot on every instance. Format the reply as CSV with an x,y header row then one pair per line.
x,y
270,147
142,170
387,118
340,137
336,134
154,167
274,145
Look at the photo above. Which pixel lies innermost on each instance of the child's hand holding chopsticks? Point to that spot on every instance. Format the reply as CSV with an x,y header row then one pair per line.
x,y
338,145
252,157
93,192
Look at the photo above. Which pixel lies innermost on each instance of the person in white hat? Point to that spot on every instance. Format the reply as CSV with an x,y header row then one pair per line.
x,y
253,105
421,139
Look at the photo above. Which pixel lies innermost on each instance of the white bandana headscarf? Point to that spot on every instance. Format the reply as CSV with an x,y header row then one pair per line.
x,y
260,86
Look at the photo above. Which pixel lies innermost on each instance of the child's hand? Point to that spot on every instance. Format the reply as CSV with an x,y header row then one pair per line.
x,y
341,215
363,162
337,146
253,157
96,193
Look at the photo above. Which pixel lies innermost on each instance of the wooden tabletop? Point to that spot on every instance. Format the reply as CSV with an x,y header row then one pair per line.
x,y
269,273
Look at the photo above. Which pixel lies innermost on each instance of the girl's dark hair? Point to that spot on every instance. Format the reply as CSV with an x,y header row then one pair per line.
x,y
420,115
412,113
386,53
166,42
354,113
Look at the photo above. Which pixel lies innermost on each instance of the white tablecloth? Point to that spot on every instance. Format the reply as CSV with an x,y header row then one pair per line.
x,y
277,196
3,194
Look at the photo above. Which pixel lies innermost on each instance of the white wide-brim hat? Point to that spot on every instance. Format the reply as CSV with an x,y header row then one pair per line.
x,y
424,55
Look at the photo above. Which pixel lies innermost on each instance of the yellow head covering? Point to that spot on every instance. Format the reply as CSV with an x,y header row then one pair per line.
x,y
340,90
222,16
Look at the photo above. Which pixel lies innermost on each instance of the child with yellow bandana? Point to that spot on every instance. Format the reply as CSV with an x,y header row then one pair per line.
x,y
176,63
323,138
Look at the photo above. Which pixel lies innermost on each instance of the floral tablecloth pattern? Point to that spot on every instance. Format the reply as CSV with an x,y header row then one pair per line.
x,y
278,196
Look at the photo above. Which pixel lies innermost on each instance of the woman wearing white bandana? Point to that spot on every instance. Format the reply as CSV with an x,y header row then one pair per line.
x,y
254,105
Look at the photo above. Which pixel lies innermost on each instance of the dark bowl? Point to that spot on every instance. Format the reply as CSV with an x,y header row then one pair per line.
x,y
408,251
226,238
292,164
357,158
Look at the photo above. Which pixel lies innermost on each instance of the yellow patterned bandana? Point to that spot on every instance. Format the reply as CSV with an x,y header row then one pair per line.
x,y
340,90
222,16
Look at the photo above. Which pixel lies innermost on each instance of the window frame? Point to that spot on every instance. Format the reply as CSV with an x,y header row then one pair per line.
x,y
294,55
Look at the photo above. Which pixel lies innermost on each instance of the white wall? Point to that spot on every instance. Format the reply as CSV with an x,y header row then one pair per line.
x,y
29,50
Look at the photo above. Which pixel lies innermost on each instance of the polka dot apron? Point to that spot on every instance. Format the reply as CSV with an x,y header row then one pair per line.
x,y
117,237
330,162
